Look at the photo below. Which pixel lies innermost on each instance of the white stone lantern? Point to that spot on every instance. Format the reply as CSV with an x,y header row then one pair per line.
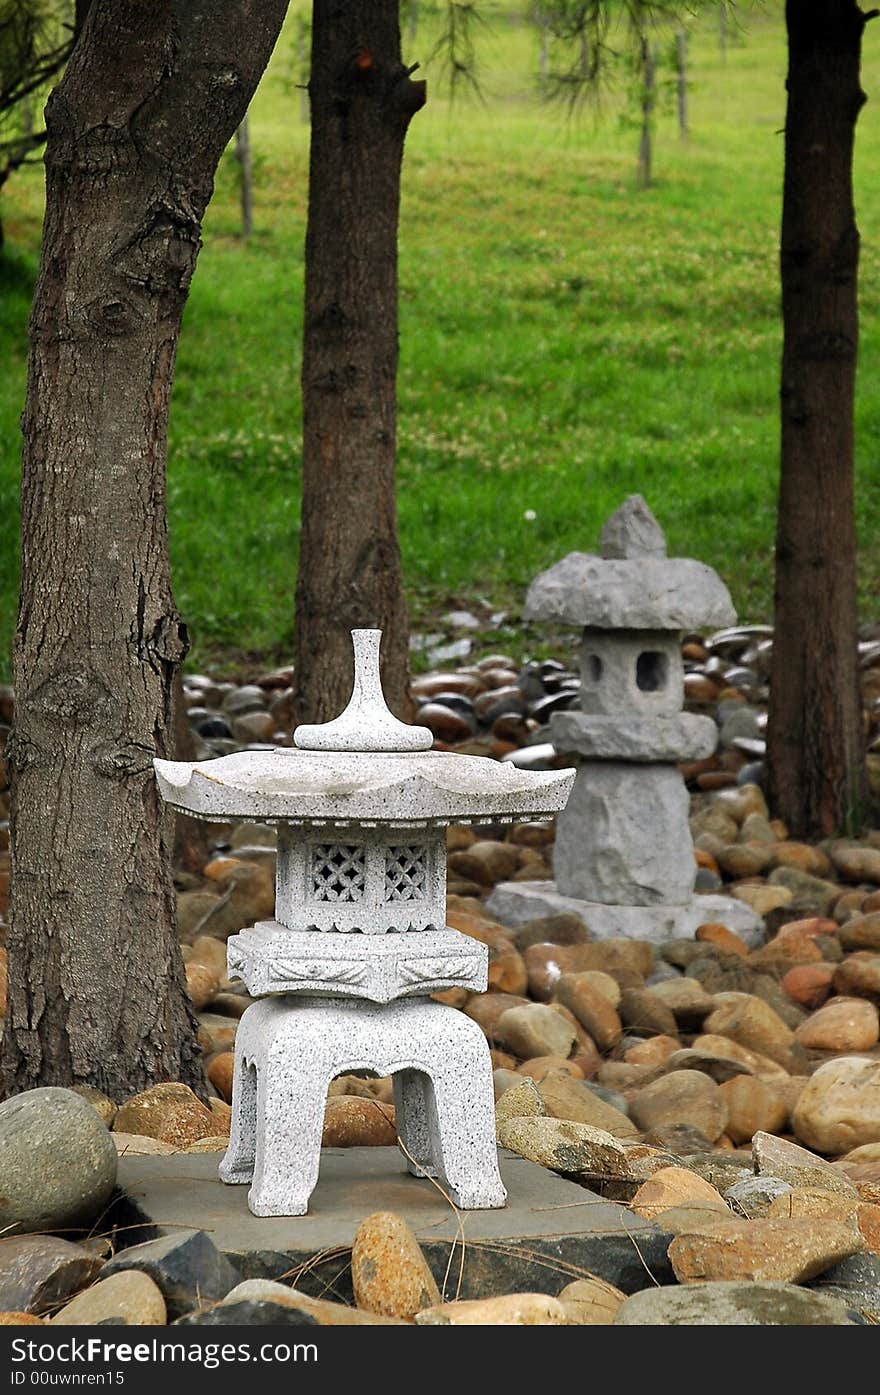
x,y
362,804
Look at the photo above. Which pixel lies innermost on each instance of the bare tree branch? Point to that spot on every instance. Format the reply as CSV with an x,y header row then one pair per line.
x,y
455,51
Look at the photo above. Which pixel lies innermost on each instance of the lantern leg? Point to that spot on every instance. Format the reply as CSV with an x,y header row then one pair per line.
x,y
416,1128
464,1107
290,1119
238,1162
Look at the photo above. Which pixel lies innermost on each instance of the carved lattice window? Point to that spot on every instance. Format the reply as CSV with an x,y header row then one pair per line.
x,y
405,874
338,872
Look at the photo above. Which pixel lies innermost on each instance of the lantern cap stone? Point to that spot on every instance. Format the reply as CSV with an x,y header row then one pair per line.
x,y
632,531
633,585
366,724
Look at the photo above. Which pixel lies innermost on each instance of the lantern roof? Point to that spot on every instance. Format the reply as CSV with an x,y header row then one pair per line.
x,y
365,767
632,584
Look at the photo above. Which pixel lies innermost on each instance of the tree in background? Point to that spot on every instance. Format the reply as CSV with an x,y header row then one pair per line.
x,y
816,750
585,43
151,96
303,26
246,175
36,40
362,101
816,747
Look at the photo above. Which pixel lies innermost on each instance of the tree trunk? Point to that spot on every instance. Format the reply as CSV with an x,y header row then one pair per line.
x,y
150,98
817,773
540,19
648,71
302,69
362,100
681,81
243,156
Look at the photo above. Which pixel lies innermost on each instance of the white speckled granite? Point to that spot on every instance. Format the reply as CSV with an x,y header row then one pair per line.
x,y
388,778
396,789
372,880
366,724
287,1051
272,959
361,805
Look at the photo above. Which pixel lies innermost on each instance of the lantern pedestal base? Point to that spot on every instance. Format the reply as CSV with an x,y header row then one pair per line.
x,y
269,958
515,903
287,1051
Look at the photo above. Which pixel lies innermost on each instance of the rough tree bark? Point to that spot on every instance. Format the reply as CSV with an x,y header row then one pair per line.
x,y
817,773
362,100
151,96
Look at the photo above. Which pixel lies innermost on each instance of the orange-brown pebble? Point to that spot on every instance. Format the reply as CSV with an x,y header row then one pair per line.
x,y
202,985
219,1073
586,1058
653,1051
809,984
532,835
807,929
389,1272
705,859
507,970
451,997
700,687
350,1121
219,868
752,1106
673,1186
795,949
170,1112
868,1216
714,933
539,1067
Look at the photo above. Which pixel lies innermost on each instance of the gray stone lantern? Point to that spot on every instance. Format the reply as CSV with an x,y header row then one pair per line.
x,y
624,858
346,969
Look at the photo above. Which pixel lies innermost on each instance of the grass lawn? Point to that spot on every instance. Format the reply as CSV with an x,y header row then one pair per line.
x,y
566,339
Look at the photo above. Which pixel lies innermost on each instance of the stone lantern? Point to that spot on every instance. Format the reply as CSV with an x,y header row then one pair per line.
x,y
624,857
346,969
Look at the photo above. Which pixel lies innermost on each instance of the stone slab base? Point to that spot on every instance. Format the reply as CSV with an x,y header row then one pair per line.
x,y
548,1234
515,903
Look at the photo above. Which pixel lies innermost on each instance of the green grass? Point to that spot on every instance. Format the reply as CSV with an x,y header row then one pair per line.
x,y
565,340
